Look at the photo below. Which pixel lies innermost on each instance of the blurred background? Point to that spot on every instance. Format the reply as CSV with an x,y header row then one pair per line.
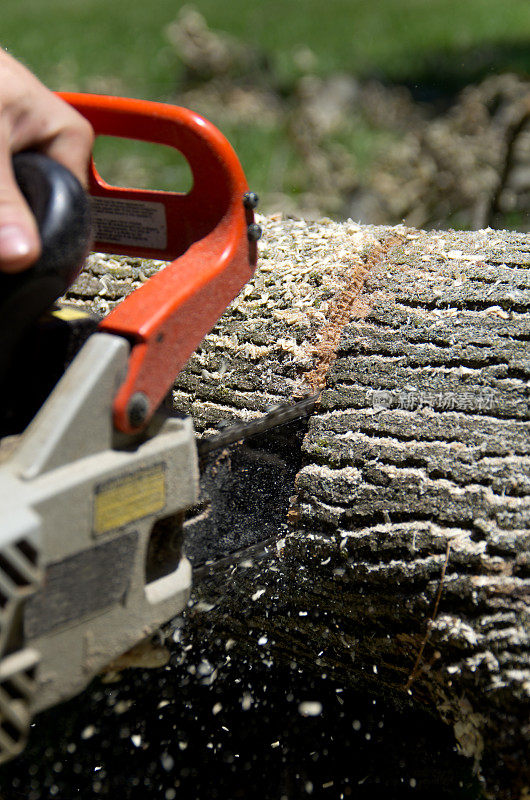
x,y
388,111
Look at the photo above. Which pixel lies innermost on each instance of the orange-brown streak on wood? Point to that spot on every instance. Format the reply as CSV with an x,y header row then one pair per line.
x,y
346,306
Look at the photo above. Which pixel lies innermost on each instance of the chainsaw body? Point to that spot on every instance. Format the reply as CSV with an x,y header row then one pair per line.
x,y
93,593
93,491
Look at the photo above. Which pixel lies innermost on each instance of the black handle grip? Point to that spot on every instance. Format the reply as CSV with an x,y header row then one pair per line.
x,y
62,210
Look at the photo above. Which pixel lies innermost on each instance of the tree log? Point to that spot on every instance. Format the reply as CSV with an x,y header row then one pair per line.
x,y
397,516
406,563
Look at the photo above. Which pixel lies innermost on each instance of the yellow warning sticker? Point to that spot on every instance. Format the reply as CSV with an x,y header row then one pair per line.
x,y
69,313
129,498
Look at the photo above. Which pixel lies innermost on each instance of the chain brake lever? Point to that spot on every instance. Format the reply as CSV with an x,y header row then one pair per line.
x,y
209,234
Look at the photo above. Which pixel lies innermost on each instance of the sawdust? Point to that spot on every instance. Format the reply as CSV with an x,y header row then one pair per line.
x,y
309,280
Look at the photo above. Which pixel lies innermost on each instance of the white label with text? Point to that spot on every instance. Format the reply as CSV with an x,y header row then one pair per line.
x,y
136,223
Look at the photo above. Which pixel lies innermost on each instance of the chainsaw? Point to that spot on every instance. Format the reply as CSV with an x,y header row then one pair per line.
x,y
95,478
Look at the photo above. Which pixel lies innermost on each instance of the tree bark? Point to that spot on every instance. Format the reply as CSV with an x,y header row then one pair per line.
x,y
399,558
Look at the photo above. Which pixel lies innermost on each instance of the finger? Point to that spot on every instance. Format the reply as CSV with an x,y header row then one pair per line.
x,y
19,237
72,145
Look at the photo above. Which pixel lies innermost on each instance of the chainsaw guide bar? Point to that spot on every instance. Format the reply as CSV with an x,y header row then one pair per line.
x,y
241,431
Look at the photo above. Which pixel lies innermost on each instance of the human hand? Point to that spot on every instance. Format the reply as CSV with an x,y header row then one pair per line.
x,y
32,117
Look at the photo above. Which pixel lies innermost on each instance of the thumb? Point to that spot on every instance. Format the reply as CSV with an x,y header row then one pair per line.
x,y
19,237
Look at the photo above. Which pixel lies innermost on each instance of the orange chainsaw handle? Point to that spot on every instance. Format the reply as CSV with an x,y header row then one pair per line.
x,y
209,234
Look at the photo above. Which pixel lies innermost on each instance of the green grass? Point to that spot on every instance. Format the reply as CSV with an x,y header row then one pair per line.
x,y
394,38
119,47
142,164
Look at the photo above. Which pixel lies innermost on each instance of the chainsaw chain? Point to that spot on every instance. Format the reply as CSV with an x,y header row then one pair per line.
x,y
279,415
